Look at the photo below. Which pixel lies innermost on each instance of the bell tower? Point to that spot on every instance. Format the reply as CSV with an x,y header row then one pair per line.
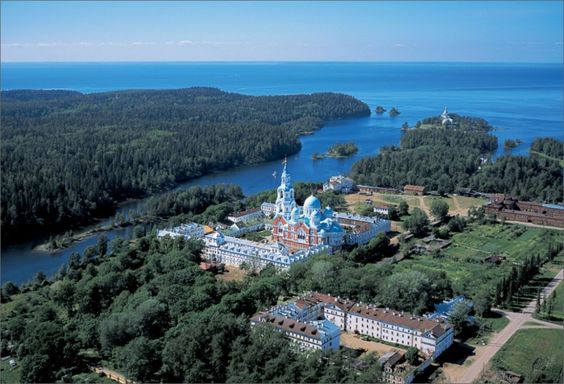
x,y
285,201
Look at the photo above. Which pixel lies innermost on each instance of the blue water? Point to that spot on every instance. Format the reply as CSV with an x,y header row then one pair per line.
x,y
523,101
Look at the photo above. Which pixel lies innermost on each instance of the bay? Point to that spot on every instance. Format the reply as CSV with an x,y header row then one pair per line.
x,y
523,101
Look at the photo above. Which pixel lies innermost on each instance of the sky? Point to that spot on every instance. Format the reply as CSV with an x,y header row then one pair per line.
x,y
473,31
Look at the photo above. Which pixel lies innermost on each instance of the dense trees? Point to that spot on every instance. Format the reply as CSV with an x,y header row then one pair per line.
x,y
342,150
149,311
67,156
444,159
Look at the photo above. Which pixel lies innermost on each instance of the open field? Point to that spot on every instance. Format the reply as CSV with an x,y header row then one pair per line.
x,y
535,354
458,205
463,261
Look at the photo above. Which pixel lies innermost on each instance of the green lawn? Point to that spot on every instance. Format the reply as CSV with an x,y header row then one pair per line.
x,y
9,375
537,354
463,260
467,202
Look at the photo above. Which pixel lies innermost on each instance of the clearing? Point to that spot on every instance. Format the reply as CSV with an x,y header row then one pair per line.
x,y
458,205
232,273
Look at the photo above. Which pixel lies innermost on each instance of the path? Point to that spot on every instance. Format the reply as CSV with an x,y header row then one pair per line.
x,y
423,205
517,321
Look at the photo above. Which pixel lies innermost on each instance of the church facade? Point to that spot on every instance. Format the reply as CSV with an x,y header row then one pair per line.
x,y
302,228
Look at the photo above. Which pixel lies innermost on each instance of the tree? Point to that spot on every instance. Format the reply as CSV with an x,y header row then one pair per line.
x,y
102,245
409,291
403,208
412,356
458,316
9,289
456,224
417,223
393,213
439,209
40,278
482,302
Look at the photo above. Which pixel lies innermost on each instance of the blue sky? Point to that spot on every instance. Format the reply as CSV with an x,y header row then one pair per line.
x,y
485,31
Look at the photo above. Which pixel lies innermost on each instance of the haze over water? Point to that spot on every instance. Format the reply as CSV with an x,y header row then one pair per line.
x,y
523,101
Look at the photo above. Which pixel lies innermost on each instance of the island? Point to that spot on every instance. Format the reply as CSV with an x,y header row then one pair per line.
x,y
510,144
380,110
394,112
339,150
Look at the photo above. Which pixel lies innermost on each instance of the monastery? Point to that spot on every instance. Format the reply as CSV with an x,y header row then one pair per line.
x,y
297,232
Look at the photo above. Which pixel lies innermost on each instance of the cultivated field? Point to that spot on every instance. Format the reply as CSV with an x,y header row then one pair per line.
x,y
464,263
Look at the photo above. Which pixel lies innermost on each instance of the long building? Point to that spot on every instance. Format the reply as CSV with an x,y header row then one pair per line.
x,y
526,211
431,337
235,251
318,334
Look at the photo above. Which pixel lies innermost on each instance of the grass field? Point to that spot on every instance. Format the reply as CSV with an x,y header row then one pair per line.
x,y
458,205
537,354
8,374
463,261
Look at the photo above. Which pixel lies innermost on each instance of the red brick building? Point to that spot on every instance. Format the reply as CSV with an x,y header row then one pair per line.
x,y
512,209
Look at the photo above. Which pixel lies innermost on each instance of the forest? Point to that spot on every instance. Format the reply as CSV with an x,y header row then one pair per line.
x,y
69,157
446,159
145,308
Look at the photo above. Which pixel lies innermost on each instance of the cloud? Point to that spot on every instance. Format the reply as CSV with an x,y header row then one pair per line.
x,y
398,45
180,43
201,42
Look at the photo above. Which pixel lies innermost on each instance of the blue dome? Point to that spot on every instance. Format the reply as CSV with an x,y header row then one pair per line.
x,y
311,204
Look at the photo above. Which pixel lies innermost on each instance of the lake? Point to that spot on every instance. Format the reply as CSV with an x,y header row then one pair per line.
x,y
523,101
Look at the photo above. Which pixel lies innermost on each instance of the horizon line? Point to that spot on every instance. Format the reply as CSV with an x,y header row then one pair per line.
x,y
280,61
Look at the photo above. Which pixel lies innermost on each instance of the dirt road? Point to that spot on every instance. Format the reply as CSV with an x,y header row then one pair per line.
x,y
517,321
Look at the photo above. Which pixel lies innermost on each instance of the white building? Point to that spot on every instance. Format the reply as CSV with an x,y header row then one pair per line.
x,y
188,231
339,184
245,216
268,209
234,251
361,229
321,334
383,210
445,118
431,337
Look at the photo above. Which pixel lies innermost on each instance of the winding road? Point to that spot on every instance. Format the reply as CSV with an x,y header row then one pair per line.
x,y
517,321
